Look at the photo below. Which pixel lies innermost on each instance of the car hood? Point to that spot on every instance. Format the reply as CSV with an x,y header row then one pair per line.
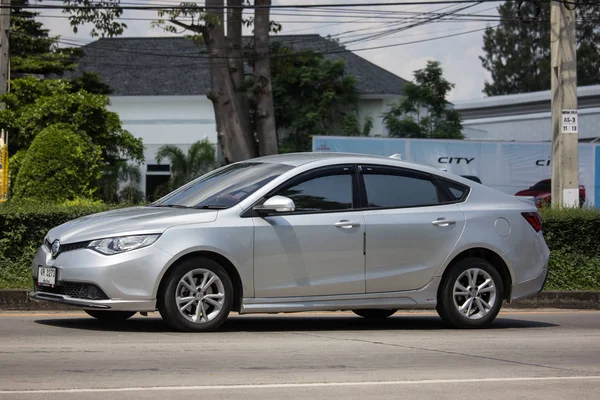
x,y
128,221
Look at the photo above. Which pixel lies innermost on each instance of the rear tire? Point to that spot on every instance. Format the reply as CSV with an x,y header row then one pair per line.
x,y
471,294
374,313
113,316
196,296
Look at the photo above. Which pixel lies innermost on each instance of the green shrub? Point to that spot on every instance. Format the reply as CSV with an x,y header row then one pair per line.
x,y
60,165
573,236
22,230
14,164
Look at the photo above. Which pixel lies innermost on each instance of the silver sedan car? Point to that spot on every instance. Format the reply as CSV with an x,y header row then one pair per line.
x,y
302,232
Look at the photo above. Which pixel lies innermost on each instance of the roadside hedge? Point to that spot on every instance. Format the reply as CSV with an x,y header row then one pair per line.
x,y
572,235
22,230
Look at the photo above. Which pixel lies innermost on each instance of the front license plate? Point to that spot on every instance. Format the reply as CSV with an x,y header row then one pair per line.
x,y
46,276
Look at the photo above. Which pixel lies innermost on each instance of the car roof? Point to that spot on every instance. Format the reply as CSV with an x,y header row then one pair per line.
x,y
324,158
297,159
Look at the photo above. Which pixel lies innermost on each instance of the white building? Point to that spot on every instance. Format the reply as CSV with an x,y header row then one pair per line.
x,y
526,117
160,86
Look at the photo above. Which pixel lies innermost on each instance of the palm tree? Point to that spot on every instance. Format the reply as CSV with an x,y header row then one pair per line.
x,y
199,160
120,171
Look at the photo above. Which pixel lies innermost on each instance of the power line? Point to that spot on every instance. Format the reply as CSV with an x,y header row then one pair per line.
x,y
276,6
341,50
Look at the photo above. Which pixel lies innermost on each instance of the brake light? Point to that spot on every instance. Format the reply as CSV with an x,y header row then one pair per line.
x,y
534,219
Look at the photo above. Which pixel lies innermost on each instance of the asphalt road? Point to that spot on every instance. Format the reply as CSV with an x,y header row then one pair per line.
x,y
525,355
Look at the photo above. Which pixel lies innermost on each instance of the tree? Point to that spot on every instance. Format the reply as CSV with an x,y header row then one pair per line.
x,y
61,164
424,111
517,52
199,160
34,104
37,101
263,91
121,172
228,95
312,96
32,50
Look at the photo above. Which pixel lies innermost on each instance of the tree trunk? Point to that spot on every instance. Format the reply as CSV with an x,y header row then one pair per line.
x,y
235,137
265,114
236,64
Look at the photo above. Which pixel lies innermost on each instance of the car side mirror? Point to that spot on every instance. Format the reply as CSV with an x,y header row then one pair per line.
x,y
276,204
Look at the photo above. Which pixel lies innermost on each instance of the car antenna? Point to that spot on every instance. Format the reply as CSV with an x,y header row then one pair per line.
x,y
397,156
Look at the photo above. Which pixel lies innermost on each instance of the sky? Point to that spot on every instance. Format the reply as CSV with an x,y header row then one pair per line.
x,y
459,54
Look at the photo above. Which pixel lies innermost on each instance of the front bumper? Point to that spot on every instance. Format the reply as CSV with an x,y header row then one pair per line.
x,y
114,305
124,282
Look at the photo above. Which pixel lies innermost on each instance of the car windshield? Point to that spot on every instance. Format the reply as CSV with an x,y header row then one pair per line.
x,y
224,187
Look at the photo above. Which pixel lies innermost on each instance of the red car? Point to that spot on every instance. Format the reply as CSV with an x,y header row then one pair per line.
x,y
542,193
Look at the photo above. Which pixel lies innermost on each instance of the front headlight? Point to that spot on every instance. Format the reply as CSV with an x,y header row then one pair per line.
x,y
122,244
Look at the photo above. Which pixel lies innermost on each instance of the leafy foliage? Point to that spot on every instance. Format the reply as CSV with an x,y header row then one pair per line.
x,y
351,125
517,54
115,173
424,111
199,160
22,230
573,236
34,104
60,165
312,95
37,102
103,16
32,50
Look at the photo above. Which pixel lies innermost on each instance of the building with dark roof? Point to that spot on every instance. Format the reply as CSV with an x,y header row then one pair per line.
x,y
160,86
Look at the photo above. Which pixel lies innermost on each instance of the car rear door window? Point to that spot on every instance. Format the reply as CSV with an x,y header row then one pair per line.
x,y
323,193
397,189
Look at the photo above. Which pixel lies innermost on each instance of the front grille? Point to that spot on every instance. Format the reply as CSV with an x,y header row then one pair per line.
x,y
73,246
67,246
76,290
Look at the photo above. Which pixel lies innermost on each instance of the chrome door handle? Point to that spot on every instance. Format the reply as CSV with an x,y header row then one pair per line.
x,y
346,224
443,222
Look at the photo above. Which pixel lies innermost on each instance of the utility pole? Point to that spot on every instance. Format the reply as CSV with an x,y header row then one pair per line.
x,y
4,79
4,54
3,165
565,135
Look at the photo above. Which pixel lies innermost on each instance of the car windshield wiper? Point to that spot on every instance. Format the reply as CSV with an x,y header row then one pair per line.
x,y
172,206
211,207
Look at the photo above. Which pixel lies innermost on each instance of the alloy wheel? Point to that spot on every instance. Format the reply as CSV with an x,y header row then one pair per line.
x,y
200,296
474,293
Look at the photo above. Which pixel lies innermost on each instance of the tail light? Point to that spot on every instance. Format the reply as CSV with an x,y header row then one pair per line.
x,y
534,219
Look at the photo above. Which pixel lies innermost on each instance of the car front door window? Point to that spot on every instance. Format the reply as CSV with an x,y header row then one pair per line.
x,y
325,193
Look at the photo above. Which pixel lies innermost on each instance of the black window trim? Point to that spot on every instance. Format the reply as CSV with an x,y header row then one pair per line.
x,y
362,169
304,177
462,199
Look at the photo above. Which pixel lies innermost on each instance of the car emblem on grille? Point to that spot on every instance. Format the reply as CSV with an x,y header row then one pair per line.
x,y
55,248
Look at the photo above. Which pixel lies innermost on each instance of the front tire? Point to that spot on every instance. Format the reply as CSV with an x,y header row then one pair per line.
x,y
470,295
111,316
197,296
374,313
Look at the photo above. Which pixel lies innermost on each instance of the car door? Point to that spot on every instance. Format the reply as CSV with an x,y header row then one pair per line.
x,y
317,249
412,223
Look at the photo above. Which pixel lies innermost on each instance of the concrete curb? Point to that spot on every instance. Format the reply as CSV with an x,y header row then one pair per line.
x,y
18,299
587,300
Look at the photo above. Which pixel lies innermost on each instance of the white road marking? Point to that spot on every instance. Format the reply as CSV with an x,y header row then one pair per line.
x,y
298,385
